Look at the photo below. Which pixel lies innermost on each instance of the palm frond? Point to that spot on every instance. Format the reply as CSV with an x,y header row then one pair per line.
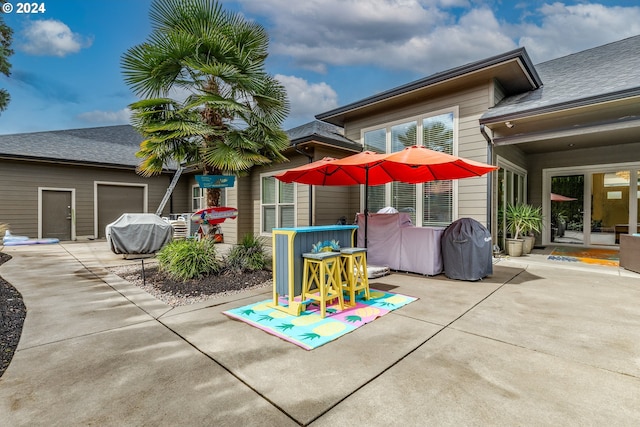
x,y
232,118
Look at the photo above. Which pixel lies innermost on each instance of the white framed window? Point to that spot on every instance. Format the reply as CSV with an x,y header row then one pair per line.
x,y
277,204
199,198
431,203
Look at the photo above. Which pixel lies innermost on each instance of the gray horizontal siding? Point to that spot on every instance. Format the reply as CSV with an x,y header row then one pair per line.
x,y
20,180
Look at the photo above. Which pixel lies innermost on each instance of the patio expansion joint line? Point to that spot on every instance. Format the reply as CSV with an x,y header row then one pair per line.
x,y
556,356
413,350
88,334
230,372
90,270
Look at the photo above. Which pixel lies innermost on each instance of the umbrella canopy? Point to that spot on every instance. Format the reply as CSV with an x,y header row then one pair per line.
x,y
419,164
560,198
412,165
351,170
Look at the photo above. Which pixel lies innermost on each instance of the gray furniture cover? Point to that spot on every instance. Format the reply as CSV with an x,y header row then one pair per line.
x,y
467,250
394,242
134,233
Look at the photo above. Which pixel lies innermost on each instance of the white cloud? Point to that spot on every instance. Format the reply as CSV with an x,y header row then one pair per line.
x,y
427,36
307,99
569,29
106,117
52,38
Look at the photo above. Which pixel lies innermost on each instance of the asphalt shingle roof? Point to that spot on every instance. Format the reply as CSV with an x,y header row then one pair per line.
x,y
606,72
109,145
322,132
117,145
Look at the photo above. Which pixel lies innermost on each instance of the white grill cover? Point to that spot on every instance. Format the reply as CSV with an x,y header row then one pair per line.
x,y
138,234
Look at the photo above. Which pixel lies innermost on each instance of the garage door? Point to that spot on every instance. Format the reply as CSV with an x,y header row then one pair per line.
x,y
114,200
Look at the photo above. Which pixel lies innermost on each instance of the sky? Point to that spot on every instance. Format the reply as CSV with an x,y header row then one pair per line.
x,y
66,71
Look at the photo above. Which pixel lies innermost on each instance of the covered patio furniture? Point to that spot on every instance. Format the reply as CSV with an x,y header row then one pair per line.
x,y
138,233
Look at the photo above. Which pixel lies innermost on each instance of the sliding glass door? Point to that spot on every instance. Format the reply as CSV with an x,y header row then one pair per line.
x,y
593,206
512,189
567,209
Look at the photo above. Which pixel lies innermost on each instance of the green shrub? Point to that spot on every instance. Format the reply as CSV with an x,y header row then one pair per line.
x,y
189,259
248,255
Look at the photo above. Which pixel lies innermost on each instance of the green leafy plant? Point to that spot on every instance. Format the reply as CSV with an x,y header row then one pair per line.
x,y
189,259
523,219
248,255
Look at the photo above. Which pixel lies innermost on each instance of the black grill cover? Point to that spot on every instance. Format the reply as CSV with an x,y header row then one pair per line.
x,y
467,250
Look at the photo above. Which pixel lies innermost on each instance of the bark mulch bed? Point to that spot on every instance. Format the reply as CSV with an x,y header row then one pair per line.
x,y
12,315
177,293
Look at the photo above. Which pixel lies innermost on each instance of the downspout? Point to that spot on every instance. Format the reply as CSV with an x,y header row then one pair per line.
x,y
310,157
489,181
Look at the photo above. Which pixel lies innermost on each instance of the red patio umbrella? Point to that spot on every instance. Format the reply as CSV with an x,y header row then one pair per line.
x,y
560,198
419,164
351,170
412,165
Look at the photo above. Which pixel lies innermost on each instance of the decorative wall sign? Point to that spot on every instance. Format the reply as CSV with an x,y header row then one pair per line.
x,y
215,181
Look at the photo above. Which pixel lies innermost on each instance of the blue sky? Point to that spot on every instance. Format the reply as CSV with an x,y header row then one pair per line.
x,y
66,68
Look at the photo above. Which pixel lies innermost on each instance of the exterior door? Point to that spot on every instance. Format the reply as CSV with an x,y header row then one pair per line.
x,y
592,205
568,210
56,214
512,189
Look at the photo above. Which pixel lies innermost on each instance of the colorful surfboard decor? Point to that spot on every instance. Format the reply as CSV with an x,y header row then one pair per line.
x,y
214,215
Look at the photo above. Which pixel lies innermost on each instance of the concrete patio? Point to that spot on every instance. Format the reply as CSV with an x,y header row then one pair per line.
x,y
537,343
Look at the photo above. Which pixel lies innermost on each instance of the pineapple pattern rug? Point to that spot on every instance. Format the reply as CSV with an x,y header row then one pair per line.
x,y
310,330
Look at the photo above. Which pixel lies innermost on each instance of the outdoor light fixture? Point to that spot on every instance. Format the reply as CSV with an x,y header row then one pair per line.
x,y
509,124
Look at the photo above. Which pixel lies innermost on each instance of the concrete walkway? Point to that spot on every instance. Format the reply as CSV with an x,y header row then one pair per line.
x,y
538,343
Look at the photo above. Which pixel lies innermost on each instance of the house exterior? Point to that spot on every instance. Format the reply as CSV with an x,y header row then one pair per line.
x,y
70,184
569,126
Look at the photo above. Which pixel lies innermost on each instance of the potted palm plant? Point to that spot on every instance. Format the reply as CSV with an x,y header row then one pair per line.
x,y
522,220
532,224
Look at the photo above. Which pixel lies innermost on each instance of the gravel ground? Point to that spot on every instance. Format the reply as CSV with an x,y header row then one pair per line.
x,y
12,315
177,293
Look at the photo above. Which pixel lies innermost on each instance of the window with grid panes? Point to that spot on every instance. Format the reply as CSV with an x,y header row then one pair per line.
x,y
437,135
429,203
199,198
376,141
278,204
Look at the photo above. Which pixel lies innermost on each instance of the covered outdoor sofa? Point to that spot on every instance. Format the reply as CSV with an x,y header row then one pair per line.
x,y
394,242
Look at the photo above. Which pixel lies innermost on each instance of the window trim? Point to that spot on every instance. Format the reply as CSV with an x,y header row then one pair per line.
x,y
203,198
276,203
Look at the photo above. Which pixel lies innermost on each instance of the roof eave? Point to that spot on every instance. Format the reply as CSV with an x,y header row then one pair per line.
x,y
519,54
352,146
73,162
577,103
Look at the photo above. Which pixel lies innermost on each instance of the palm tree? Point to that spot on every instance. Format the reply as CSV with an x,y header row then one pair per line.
x,y
231,119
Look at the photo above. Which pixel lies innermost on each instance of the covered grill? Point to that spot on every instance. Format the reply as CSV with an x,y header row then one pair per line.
x,y
467,250
135,233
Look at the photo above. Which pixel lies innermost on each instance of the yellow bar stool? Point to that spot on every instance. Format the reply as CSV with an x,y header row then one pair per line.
x,y
320,279
353,272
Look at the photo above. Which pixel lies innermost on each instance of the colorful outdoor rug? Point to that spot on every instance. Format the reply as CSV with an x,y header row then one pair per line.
x,y
310,330
595,256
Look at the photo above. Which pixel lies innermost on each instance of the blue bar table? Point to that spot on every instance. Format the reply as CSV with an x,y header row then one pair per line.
x,y
288,246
